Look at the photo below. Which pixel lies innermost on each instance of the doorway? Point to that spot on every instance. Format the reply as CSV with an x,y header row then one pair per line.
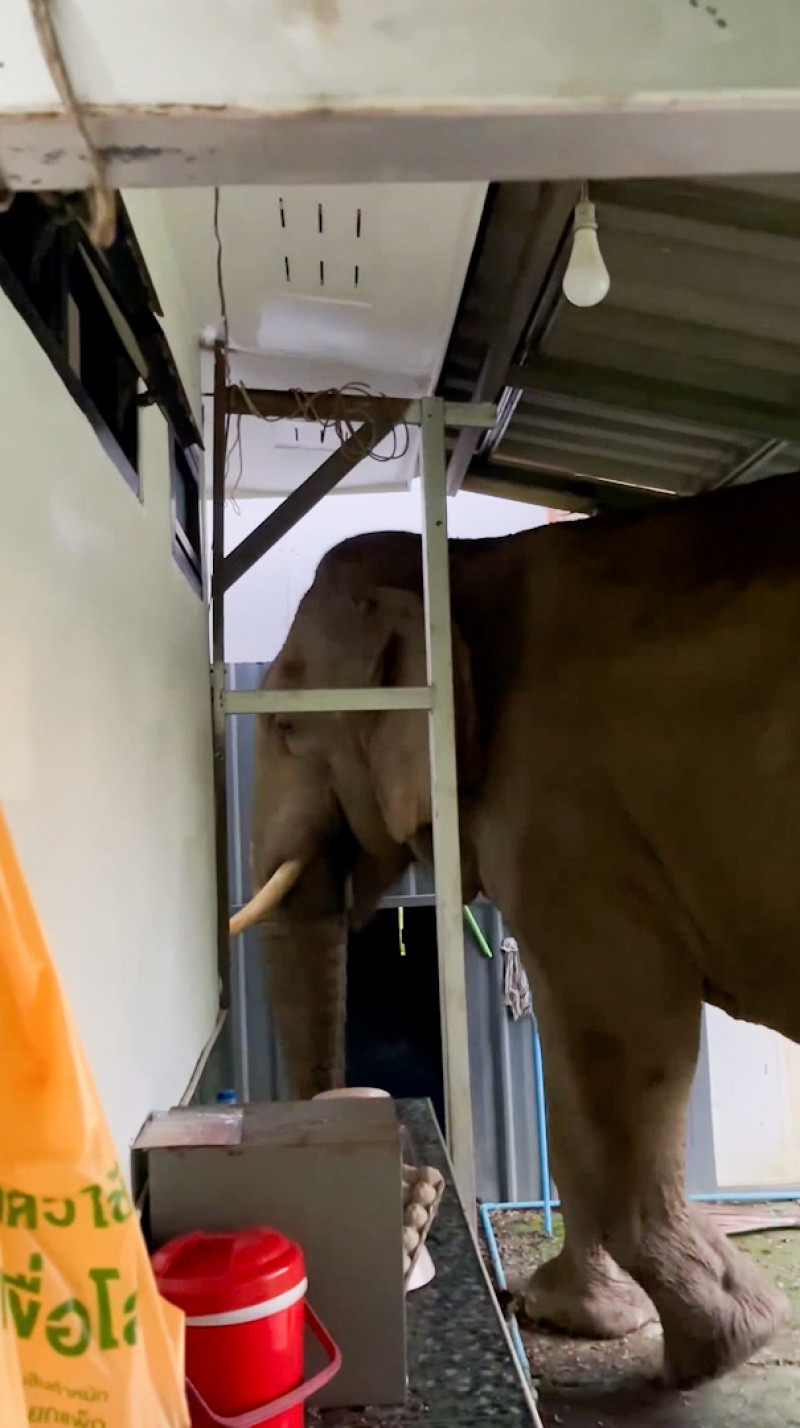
x,y
394,1038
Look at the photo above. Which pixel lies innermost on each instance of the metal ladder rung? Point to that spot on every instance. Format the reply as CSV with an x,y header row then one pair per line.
x,y
313,701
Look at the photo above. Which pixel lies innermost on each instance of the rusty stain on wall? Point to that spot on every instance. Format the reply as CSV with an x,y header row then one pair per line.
x,y
133,153
324,14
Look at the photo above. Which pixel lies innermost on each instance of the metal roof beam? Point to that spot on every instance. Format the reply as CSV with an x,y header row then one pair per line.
x,y
343,407
595,461
703,203
602,428
647,359
684,338
756,464
541,486
379,415
355,449
529,289
626,391
366,90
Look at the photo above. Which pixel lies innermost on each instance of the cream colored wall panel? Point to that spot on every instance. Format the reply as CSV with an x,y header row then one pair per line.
x,y
105,745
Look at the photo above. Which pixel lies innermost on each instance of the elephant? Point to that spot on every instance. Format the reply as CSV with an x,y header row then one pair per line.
x,y
627,697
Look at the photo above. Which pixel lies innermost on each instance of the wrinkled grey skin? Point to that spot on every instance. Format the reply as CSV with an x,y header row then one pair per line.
x,y
628,711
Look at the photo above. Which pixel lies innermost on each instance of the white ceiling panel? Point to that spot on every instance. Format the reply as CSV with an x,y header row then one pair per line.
x,y
326,286
272,458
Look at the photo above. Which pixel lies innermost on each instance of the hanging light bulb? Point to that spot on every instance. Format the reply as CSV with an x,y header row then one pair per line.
x,y
586,279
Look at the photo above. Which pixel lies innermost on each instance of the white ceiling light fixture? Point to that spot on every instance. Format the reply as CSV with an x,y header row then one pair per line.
x,y
586,280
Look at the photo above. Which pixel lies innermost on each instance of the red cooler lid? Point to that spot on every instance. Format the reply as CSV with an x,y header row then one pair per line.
x,y
211,1274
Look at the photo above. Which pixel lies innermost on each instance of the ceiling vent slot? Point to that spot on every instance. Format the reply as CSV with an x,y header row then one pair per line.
x,y
307,436
326,253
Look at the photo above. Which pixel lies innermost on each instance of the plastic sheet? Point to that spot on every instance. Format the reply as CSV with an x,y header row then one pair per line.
x,y
85,1338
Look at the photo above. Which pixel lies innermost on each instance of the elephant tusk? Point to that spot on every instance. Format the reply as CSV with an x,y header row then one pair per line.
x,y
268,897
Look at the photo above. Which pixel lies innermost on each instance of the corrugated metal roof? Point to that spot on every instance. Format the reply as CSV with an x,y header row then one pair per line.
x,y
617,445
686,377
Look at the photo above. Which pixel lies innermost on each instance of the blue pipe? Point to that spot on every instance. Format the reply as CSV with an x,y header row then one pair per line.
x,y
746,1197
541,1126
719,1197
492,1205
502,1283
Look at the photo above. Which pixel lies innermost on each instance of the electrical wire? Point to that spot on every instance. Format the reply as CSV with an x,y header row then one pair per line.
x,y
225,330
223,301
345,421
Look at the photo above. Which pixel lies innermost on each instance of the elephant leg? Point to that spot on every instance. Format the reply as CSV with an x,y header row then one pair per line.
x,y
581,1290
307,978
620,1037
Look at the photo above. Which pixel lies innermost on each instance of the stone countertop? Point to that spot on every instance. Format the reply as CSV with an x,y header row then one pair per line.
x,y
461,1369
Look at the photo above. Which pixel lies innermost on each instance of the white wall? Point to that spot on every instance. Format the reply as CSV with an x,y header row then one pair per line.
x,y
261,606
149,212
105,754
755,1103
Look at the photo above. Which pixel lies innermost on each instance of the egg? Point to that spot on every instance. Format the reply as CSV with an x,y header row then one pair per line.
x,y
410,1239
416,1216
423,1194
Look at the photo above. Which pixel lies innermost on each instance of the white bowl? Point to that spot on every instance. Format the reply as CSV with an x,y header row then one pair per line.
x,y
423,1271
349,1091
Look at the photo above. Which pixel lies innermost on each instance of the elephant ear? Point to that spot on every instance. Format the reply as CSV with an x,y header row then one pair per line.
x,y
396,742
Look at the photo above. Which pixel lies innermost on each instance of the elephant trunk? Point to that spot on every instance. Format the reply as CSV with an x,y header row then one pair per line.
x,y
307,976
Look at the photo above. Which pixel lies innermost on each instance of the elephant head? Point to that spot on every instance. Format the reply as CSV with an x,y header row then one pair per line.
x,y
342,800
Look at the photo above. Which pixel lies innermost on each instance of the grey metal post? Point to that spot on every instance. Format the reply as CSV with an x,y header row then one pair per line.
x,y
506,1079
241,1046
220,454
444,797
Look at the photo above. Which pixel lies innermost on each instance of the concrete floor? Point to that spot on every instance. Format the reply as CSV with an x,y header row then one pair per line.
x,y
588,1384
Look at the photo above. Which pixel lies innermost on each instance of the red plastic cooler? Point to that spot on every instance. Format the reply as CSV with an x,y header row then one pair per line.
x,y
243,1295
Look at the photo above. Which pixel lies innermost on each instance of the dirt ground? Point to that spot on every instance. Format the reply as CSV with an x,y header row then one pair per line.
x,y
601,1384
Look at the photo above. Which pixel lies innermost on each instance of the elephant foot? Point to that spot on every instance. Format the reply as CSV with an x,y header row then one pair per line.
x,y
724,1311
591,1298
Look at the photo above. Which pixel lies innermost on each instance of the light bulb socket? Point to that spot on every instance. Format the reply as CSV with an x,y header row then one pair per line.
x,y
584,216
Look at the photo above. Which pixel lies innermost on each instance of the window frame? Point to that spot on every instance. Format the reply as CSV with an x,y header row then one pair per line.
x,y
125,289
19,297
188,556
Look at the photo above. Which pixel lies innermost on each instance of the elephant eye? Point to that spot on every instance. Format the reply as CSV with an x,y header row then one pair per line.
x,y
284,723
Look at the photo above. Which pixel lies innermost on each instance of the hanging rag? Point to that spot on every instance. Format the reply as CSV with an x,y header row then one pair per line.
x,y
516,988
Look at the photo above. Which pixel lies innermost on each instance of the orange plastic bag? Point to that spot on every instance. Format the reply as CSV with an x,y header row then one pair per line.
x,y
85,1338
